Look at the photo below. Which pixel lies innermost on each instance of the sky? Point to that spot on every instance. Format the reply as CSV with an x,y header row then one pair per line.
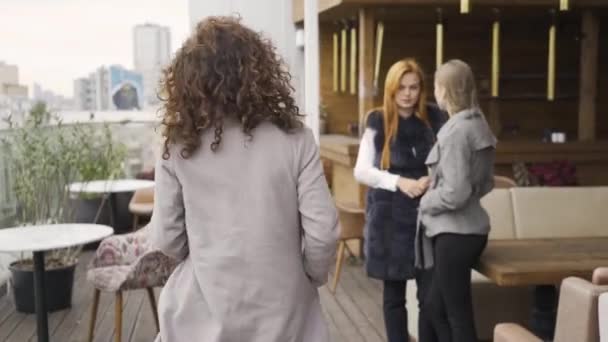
x,y
56,41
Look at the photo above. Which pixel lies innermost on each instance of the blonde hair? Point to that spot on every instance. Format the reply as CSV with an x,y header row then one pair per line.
x,y
456,78
389,107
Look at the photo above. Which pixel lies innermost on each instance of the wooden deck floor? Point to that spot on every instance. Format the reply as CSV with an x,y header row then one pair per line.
x,y
353,314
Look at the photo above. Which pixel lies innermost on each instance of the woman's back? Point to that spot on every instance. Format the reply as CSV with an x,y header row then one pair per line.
x,y
241,202
260,233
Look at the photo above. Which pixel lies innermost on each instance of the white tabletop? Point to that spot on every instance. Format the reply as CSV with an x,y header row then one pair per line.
x,y
52,236
108,186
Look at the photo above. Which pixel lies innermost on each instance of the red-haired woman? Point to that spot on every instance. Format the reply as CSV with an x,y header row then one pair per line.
x,y
396,141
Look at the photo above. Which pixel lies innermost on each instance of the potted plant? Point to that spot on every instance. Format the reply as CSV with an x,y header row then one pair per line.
x,y
100,158
43,159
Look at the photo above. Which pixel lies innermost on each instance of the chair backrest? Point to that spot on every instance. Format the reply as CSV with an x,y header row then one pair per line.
x,y
145,195
352,220
560,212
502,182
499,206
577,314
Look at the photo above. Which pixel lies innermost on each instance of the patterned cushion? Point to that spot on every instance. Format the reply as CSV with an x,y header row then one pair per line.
x,y
124,262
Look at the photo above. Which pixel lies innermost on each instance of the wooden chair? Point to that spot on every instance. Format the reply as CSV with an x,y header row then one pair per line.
x,y
141,205
352,220
501,182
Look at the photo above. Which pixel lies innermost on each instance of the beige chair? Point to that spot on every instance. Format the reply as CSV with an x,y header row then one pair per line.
x,y
577,315
352,220
141,205
501,182
600,276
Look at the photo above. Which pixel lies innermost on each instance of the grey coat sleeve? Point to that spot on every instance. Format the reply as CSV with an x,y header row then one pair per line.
x,y
318,215
168,217
454,184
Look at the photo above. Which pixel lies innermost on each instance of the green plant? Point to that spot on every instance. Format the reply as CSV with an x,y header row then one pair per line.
x,y
43,159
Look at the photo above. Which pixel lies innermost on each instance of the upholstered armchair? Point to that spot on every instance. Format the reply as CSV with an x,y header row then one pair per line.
x,y
127,262
577,315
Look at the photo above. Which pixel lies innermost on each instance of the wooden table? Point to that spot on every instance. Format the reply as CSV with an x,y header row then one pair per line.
x,y
542,263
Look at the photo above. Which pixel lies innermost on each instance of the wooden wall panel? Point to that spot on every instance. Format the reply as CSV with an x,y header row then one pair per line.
x,y
524,112
342,108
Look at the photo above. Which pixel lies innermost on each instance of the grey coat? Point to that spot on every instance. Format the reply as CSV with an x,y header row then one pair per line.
x,y
255,228
462,172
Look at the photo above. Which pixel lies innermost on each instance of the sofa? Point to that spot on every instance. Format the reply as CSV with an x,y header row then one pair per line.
x,y
529,213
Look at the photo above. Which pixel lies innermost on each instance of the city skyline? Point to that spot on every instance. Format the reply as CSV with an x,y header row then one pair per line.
x,y
94,33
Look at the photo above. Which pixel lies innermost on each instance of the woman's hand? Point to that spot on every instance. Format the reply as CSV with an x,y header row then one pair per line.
x,y
410,187
425,182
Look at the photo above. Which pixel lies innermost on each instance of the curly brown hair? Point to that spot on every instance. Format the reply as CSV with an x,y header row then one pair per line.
x,y
224,69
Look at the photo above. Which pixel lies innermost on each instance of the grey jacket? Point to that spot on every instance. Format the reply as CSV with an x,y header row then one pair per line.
x,y
255,229
462,172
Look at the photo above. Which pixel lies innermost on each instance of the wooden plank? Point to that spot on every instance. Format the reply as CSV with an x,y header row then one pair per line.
x,y
25,330
6,308
343,322
10,324
366,64
145,328
345,295
334,333
542,261
589,76
366,304
131,313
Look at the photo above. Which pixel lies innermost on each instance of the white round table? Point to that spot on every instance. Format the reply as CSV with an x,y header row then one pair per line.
x,y
109,188
41,238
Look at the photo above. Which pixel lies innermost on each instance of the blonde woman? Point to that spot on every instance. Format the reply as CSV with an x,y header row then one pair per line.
x,y
394,146
454,228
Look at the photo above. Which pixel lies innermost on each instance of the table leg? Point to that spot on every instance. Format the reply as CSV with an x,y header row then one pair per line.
x,y
113,210
104,198
40,296
544,311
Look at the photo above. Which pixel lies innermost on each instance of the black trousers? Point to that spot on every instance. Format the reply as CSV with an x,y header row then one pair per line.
x,y
447,313
393,303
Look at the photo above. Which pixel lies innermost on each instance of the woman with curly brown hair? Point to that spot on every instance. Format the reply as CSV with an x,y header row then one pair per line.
x,y
241,200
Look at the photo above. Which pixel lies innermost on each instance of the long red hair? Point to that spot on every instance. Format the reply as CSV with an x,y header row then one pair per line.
x,y
389,107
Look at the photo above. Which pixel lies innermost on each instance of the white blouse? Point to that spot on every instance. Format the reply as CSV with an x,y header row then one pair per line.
x,y
365,172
